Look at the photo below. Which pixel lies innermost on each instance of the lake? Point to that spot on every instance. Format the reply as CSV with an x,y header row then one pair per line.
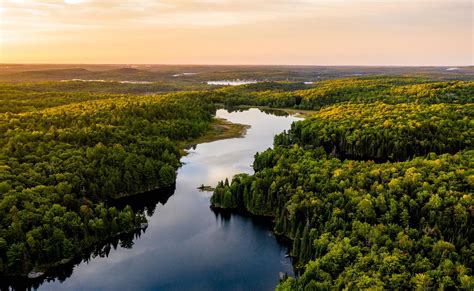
x,y
232,82
187,246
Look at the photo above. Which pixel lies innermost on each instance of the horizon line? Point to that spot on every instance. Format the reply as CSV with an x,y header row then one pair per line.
x,y
242,65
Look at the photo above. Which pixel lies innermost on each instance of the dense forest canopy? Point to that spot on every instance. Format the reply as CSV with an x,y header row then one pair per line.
x,y
382,131
374,189
360,90
60,164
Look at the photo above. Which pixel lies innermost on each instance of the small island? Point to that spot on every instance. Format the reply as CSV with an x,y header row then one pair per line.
x,y
204,188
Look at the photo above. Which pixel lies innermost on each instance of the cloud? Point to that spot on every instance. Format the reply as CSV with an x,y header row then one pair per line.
x,y
74,2
68,15
300,28
207,12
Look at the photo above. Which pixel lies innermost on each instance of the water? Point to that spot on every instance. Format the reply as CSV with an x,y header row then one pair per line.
x,y
183,74
232,82
186,245
108,81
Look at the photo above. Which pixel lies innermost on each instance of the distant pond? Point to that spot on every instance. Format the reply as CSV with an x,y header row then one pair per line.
x,y
231,82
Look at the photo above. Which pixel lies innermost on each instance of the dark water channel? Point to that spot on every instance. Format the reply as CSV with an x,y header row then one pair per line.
x,y
187,246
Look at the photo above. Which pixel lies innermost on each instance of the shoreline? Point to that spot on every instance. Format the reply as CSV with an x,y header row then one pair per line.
x,y
220,129
302,113
271,220
44,271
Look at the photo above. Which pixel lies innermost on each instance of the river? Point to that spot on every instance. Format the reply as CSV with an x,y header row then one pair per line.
x,y
187,246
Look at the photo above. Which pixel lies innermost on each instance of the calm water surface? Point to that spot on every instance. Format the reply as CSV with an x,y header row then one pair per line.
x,y
186,245
232,82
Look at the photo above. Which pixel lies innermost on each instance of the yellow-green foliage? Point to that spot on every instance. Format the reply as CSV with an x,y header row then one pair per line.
x,y
375,189
68,154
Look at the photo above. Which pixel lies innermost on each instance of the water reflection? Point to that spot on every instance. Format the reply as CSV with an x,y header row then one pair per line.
x,y
187,246
268,111
231,82
145,203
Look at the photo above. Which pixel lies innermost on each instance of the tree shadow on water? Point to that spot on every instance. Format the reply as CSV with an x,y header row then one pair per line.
x,y
144,203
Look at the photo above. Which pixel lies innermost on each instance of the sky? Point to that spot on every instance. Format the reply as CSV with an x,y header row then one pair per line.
x,y
283,32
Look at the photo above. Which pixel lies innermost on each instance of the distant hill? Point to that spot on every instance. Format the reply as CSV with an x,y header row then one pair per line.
x,y
202,73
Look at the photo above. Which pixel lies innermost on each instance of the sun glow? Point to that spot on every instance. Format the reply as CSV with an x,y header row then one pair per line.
x,y
74,1
396,32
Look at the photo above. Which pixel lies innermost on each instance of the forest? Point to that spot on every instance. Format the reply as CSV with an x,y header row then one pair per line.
x,y
374,188
64,157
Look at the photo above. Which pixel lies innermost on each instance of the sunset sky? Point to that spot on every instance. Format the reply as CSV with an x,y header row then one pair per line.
x,y
303,32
